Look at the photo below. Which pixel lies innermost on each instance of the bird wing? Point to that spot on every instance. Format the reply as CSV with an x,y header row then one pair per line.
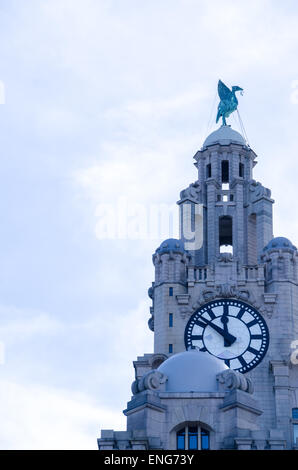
x,y
223,91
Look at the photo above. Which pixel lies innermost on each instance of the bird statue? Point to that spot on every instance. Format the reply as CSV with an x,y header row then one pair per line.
x,y
228,101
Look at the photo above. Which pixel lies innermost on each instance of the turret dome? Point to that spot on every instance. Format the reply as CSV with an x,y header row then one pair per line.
x,y
279,243
192,371
171,244
225,135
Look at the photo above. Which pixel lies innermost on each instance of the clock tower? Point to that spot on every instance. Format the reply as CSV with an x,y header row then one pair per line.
x,y
223,374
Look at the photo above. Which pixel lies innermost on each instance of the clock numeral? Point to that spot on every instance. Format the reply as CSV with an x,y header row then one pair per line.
x,y
252,323
253,351
242,361
227,362
200,323
241,313
256,337
211,314
195,337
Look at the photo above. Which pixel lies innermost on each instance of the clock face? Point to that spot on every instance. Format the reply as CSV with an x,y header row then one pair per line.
x,y
230,330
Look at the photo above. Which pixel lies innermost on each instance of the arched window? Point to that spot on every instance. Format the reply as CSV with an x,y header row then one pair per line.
x,y
193,437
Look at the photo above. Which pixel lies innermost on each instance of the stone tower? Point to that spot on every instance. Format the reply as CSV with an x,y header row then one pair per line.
x,y
224,315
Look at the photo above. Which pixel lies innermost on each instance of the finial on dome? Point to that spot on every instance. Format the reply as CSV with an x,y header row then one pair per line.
x,y
228,101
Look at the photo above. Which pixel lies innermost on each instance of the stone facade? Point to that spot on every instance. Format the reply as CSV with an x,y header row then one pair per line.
x,y
226,251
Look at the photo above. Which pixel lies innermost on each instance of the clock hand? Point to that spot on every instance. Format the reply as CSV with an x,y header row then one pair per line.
x,y
225,319
226,335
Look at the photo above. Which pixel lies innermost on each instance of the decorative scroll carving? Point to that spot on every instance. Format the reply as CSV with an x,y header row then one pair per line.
x,y
230,289
225,290
225,258
234,380
152,380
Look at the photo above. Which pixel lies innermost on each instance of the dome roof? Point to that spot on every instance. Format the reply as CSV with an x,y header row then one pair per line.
x,y
192,371
171,244
224,136
279,243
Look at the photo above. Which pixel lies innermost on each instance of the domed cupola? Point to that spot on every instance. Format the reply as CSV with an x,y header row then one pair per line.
x,y
225,135
171,245
170,261
279,243
279,256
192,371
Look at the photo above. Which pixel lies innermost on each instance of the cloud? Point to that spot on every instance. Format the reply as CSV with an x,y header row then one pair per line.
x,y
106,100
156,109
52,353
21,324
37,417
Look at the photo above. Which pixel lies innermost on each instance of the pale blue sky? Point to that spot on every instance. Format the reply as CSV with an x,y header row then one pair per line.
x,y
107,99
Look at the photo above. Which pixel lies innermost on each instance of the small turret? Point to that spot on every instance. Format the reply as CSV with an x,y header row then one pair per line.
x,y
170,261
280,258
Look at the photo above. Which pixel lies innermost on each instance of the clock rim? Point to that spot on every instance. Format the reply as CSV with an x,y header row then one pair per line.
x,y
242,369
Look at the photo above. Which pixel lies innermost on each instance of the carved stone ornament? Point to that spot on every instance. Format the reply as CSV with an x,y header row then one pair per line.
x,y
225,258
225,290
231,290
157,359
258,190
152,380
192,191
233,380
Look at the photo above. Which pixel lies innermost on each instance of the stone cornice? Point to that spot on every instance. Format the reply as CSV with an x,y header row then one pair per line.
x,y
230,148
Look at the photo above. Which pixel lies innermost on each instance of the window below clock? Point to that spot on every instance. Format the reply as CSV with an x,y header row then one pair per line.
x,y
193,438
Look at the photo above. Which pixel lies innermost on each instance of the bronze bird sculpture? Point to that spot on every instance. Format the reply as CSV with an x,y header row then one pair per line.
x,y
228,101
